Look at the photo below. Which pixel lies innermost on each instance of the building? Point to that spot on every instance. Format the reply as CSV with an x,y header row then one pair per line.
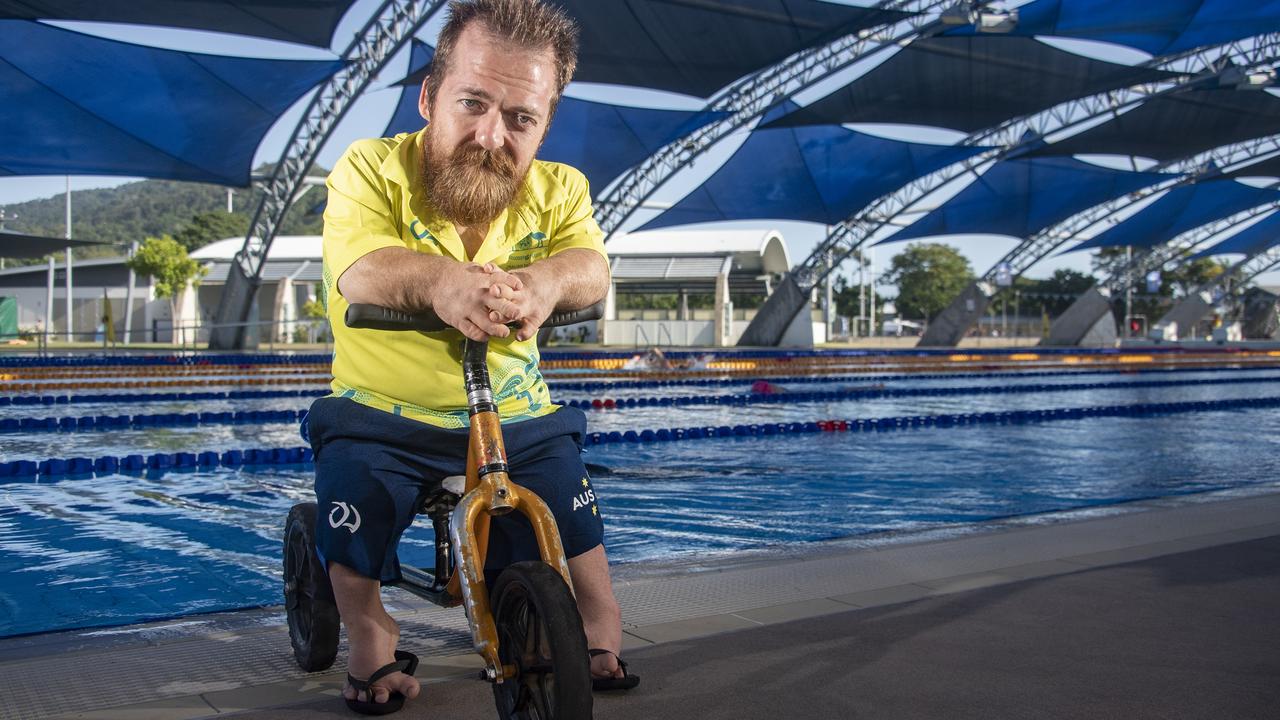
x,y
710,267
718,265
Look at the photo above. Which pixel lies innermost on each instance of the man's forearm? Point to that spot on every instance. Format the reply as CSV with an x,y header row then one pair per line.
x,y
397,278
577,278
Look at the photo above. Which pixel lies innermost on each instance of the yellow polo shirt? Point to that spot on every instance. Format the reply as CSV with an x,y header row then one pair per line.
x,y
376,201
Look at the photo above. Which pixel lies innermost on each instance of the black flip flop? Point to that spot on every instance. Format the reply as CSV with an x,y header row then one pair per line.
x,y
626,682
406,662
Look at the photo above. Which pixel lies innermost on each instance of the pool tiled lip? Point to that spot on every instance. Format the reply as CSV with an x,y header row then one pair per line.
x,y
244,659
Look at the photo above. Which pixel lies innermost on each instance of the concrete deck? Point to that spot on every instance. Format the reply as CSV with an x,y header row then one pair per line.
x,y
1163,608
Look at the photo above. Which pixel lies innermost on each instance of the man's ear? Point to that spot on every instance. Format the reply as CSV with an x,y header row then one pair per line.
x,y
424,102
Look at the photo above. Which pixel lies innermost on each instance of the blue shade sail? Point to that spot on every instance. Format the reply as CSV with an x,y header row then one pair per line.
x,y
81,105
1263,168
820,174
1178,125
1180,210
310,22
968,83
696,47
599,139
406,117
1021,197
1157,27
19,245
1256,238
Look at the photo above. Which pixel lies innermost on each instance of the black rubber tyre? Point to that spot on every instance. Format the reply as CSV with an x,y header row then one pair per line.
x,y
308,596
540,633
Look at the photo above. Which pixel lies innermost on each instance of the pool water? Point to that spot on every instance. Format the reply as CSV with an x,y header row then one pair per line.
x,y
121,549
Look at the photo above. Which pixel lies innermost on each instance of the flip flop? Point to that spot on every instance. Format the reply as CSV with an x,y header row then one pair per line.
x,y
626,682
406,662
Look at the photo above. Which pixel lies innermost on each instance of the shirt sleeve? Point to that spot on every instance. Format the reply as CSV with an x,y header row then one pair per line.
x,y
578,229
358,218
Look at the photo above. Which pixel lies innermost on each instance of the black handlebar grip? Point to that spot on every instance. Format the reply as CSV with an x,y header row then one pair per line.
x,y
569,317
377,317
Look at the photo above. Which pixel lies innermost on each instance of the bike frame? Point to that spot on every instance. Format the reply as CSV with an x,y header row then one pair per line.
x,y
490,491
463,532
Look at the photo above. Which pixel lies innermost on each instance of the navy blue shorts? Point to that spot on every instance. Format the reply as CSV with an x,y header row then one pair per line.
x,y
375,469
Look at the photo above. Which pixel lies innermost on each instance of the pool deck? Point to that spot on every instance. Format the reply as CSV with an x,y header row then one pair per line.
x,y
1160,608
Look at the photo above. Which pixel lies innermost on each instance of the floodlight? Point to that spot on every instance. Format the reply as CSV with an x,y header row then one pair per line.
x,y
997,21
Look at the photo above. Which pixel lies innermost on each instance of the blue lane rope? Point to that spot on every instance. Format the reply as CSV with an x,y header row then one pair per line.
x,y
557,354
157,397
91,423
594,385
559,385
916,422
28,471
72,361
882,393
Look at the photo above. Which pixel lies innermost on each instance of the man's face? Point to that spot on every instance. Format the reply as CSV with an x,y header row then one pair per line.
x,y
485,126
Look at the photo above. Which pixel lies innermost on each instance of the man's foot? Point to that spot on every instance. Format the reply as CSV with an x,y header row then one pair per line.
x,y
381,685
609,672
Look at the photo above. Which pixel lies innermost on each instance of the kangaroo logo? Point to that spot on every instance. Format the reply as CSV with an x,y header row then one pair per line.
x,y
336,522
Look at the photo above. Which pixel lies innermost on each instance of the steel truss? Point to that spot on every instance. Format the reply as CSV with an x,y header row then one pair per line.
x,y
1226,286
1205,67
387,31
1204,166
1134,271
1202,67
746,101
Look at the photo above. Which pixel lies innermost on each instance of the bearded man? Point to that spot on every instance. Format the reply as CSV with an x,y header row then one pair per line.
x,y
458,218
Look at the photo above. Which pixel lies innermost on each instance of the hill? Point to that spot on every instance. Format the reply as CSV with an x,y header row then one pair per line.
x,y
148,208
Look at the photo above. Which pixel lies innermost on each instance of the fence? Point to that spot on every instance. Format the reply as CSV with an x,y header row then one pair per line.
x,y
187,337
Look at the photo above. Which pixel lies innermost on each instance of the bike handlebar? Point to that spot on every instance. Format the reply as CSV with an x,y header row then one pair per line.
x,y
377,317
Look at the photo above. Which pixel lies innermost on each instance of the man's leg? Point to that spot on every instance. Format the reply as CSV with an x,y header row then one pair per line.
x,y
601,616
372,635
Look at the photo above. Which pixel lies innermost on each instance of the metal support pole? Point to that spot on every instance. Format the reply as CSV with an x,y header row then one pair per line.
x,y
871,294
862,294
128,296
1128,294
48,302
70,317
828,312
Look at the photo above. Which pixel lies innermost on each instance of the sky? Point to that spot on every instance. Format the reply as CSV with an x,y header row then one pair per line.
x,y
369,115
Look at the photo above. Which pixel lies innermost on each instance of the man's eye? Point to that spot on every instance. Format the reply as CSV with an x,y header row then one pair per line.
x,y
524,120
469,104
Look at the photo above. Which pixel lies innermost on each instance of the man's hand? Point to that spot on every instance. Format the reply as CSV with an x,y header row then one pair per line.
x,y
526,301
463,294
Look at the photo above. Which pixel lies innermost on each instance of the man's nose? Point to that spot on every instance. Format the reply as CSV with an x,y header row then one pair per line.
x,y
489,131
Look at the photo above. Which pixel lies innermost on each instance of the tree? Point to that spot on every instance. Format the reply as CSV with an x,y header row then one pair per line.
x,y
166,262
208,227
1056,292
1185,277
928,277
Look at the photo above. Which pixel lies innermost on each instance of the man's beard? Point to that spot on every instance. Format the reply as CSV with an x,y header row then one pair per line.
x,y
471,185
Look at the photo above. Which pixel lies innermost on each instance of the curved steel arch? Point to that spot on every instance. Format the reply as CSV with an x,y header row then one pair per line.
x,y
1204,66
383,35
746,100
1094,306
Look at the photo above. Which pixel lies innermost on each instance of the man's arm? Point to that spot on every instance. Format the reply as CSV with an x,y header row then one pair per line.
x,y
569,280
411,282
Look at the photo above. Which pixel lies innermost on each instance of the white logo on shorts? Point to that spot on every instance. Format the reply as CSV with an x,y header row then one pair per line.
x,y
336,522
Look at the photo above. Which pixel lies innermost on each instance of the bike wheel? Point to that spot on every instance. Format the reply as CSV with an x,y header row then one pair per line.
x,y
308,596
540,634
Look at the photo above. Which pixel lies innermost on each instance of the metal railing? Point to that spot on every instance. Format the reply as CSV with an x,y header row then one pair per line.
x,y
185,337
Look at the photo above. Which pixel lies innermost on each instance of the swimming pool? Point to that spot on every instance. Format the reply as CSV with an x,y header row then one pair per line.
x,y
121,548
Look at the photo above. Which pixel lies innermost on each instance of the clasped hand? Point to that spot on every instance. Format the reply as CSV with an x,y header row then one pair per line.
x,y
480,300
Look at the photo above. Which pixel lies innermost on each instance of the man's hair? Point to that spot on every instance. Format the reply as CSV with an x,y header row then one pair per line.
x,y
527,24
